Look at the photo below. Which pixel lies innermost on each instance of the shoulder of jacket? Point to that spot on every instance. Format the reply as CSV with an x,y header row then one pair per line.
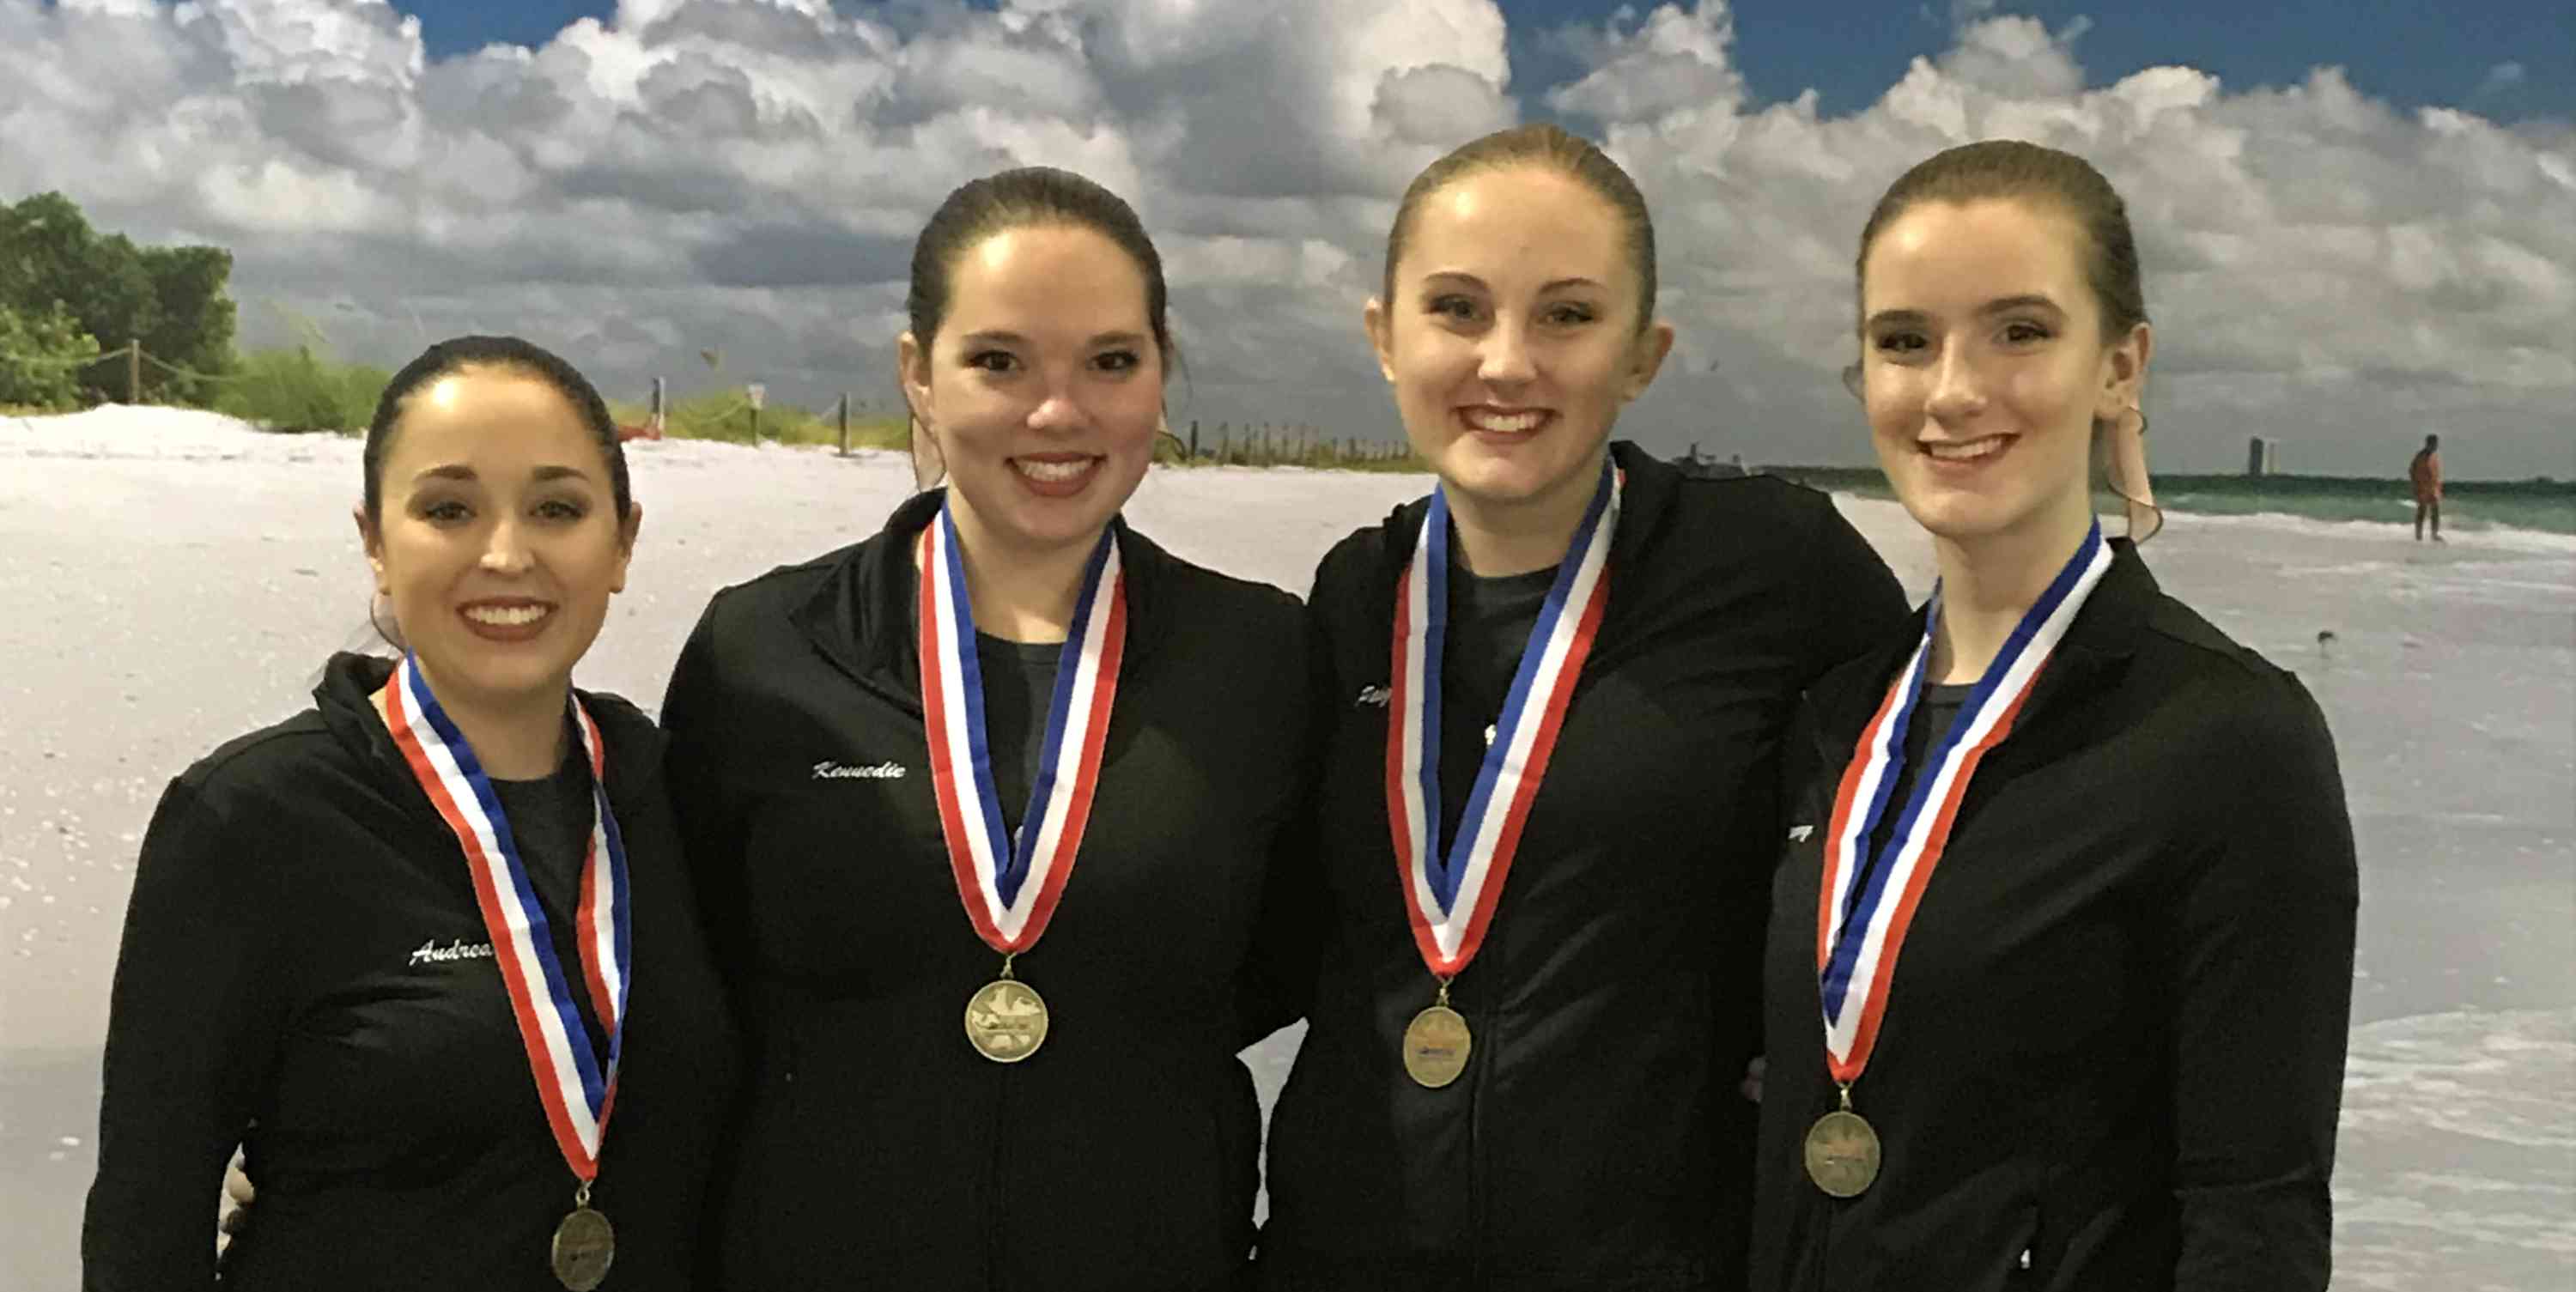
x,y
273,763
2230,692
781,584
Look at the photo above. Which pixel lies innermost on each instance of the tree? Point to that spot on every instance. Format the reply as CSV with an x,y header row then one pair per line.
x,y
173,298
39,359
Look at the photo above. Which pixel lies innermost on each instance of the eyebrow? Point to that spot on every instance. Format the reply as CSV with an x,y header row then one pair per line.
x,y
1999,305
1560,284
460,471
1014,338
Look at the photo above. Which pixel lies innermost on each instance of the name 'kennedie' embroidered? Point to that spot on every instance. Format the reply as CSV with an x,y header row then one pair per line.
x,y
827,770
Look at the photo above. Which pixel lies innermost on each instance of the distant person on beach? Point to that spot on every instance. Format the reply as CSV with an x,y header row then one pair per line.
x,y
403,946
984,809
2060,960
2425,474
1551,804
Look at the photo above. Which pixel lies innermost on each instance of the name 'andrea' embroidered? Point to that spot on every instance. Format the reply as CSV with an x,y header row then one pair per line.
x,y
828,770
430,953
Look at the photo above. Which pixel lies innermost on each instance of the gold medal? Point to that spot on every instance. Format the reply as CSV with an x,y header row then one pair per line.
x,y
1842,1152
1436,1044
584,1247
1007,1020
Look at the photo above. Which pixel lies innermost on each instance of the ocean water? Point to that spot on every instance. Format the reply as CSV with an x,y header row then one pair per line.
x,y
2460,512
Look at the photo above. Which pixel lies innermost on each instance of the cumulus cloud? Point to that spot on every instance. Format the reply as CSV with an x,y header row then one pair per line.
x,y
747,175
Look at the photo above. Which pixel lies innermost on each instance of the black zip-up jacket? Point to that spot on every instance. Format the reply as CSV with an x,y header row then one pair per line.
x,y
1597,1138
304,968
878,1149
2112,1052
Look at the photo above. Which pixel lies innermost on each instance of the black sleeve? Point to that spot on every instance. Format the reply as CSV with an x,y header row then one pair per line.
x,y
192,1029
1854,601
1277,985
708,813
2262,994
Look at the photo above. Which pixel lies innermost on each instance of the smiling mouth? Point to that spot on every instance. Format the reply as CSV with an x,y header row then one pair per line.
x,y
1985,446
509,616
1503,421
1055,470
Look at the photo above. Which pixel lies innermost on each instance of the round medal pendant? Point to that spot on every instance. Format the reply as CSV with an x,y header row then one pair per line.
x,y
1436,1046
1006,1021
1842,1154
584,1248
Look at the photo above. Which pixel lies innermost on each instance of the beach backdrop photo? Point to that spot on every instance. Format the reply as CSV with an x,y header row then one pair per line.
x,y
223,222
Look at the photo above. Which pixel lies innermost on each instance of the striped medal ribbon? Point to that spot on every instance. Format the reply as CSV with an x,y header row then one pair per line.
x,y
1451,893
1866,902
1010,885
577,1088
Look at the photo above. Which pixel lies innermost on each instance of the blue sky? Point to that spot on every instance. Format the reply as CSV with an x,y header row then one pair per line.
x,y
2408,52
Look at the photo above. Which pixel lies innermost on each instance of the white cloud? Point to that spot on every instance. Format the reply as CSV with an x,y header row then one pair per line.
x,y
747,175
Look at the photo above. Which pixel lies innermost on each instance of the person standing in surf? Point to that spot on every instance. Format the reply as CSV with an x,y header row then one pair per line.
x,y
426,951
2424,475
983,808
2058,979
1550,803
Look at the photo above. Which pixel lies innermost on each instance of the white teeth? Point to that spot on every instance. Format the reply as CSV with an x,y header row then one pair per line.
x,y
1051,471
1506,424
1965,452
506,616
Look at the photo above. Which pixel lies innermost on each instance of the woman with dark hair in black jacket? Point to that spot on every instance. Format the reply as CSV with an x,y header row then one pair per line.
x,y
1551,797
2061,964
426,951
983,809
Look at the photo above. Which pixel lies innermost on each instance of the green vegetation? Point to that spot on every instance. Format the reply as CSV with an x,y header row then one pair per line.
x,y
303,390
41,358
171,299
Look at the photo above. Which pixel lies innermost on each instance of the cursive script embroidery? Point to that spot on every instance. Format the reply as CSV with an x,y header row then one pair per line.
x,y
828,770
456,949
1372,697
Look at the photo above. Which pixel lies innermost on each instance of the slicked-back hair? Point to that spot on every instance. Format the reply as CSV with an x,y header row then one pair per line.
x,y
1555,149
1021,198
506,353
2013,169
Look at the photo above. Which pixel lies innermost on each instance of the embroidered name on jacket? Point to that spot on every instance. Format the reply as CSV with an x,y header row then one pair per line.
x,y
832,771
456,949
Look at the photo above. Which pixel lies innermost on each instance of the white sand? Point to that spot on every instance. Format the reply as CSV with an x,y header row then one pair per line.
x,y
169,580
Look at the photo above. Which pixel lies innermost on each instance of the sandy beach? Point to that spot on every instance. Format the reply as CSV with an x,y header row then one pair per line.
x,y
171,579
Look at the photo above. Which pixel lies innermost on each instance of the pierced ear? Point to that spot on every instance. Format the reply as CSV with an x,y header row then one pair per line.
x,y
1374,321
2126,373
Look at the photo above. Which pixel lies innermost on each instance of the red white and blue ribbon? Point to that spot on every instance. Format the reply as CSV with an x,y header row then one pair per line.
x,y
1866,903
1010,884
576,1086
1451,893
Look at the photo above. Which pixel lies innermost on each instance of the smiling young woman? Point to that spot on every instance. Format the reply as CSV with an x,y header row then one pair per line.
x,y
996,986
1566,671
402,947
2056,998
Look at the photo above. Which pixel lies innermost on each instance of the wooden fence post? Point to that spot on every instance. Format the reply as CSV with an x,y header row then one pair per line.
x,y
133,371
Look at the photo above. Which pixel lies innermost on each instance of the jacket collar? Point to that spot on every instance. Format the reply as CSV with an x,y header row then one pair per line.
x,y
344,699
861,615
1645,504
2104,634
